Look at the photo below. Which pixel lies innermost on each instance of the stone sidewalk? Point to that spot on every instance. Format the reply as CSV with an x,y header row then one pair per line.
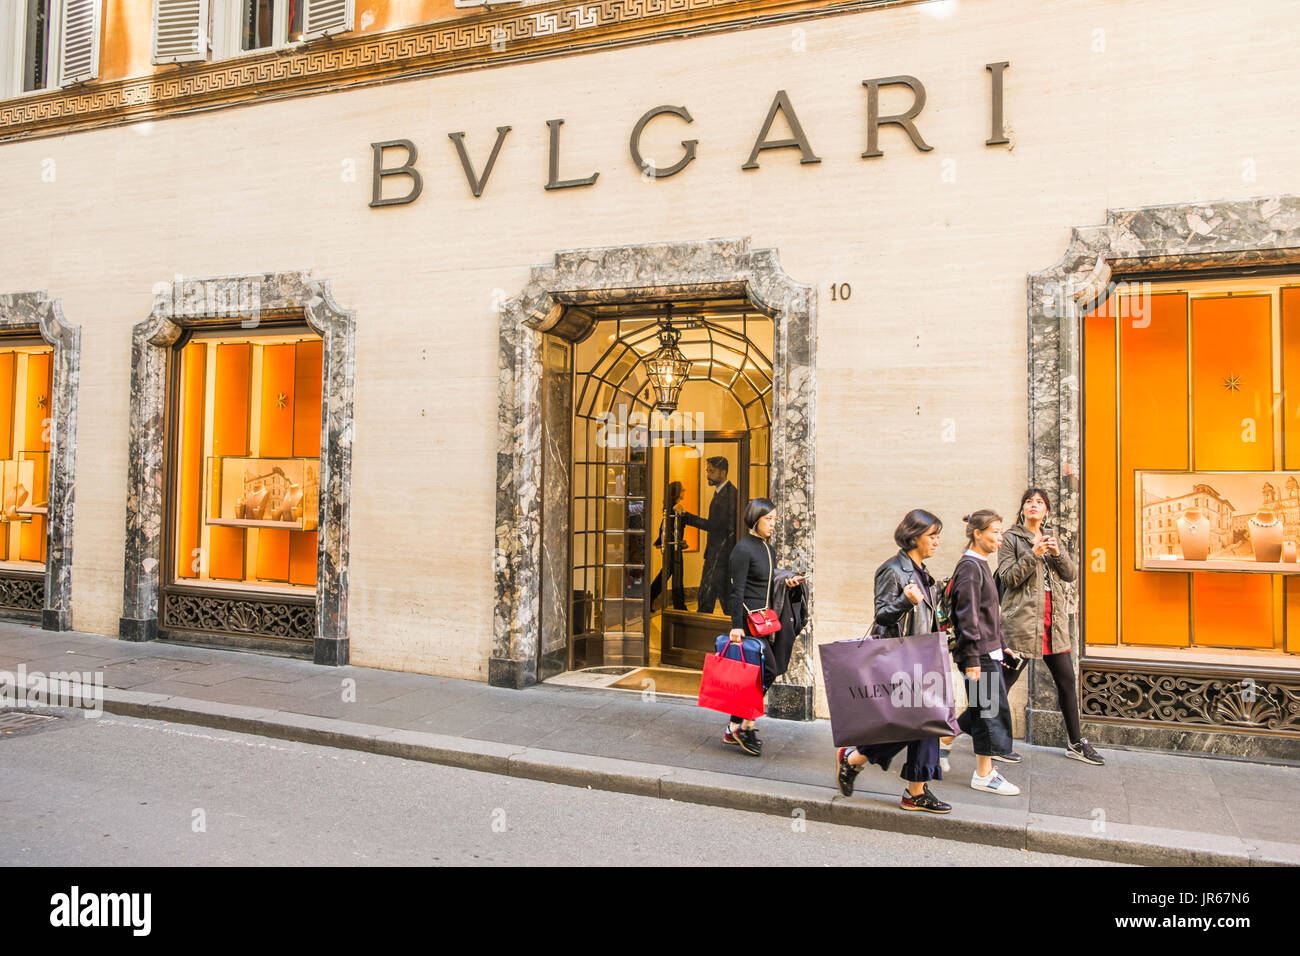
x,y
1142,807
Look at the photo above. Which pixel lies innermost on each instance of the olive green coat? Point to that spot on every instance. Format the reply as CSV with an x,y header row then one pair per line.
x,y
1020,575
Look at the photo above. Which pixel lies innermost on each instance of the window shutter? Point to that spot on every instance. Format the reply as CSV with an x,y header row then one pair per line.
x,y
78,41
180,31
323,17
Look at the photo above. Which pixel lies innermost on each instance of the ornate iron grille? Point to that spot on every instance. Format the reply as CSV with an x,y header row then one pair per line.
x,y
22,594
1194,700
192,612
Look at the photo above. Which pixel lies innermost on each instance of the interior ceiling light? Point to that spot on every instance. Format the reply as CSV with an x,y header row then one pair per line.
x,y
667,368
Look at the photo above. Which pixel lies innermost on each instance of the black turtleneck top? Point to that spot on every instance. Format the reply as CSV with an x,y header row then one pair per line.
x,y
752,564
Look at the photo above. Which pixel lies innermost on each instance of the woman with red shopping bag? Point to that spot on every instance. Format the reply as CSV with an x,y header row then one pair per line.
x,y
756,609
905,597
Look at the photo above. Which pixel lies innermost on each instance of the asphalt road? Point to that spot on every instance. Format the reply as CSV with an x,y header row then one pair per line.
x,y
121,791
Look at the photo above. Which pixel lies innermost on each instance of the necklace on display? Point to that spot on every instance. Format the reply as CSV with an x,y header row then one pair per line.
x,y
1263,524
1193,527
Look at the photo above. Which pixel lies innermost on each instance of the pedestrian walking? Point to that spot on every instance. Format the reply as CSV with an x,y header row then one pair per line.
x,y
720,532
980,651
1035,619
670,541
905,601
758,585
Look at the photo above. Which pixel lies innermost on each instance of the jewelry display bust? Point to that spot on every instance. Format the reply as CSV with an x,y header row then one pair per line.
x,y
1194,535
1266,535
1288,552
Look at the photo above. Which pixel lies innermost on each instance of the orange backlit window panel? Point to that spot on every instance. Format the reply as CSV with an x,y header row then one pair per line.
x,y
1202,389
26,410
247,462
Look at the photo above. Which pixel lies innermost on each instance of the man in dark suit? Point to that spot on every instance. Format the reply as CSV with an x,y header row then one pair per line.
x,y
721,529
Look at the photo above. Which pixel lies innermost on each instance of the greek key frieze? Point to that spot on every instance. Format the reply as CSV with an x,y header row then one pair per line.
x,y
442,46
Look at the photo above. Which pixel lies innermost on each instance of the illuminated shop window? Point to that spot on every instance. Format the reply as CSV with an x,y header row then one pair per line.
x,y
246,462
1192,411
25,423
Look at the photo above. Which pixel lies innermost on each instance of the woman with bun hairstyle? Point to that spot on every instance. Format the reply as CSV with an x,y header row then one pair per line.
x,y
980,649
906,597
755,580
1031,570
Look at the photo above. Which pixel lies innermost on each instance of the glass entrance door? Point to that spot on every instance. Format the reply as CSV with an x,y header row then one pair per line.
x,y
702,490
610,485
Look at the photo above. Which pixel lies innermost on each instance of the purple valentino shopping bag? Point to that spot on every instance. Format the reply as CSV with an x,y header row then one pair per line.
x,y
889,690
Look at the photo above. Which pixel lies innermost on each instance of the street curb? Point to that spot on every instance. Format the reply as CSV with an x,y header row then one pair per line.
x,y
995,826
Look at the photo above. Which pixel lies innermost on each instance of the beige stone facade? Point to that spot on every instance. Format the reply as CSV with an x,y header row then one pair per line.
x,y
921,372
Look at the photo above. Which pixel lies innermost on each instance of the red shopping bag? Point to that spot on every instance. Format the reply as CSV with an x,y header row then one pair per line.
x,y
731,686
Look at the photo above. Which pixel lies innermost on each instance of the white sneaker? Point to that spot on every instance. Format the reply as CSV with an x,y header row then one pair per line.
x,y
994,783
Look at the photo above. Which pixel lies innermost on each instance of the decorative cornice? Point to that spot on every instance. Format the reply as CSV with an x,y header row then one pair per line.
x,y
472,42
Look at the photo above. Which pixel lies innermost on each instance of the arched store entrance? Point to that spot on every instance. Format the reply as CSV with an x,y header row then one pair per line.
x,y
579,506
658,500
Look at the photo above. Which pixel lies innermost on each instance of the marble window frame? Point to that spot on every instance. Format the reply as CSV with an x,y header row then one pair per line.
x,y
1190,238
532,508
152,340
37,313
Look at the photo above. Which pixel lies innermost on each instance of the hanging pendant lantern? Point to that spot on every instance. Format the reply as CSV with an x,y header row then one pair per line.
x,y
668,367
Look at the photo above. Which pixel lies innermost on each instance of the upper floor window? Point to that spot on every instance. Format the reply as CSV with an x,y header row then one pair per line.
x,y
36,43
196,30
267,23
47,43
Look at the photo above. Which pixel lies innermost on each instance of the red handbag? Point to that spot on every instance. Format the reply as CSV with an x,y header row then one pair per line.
x,y
731,686
763,622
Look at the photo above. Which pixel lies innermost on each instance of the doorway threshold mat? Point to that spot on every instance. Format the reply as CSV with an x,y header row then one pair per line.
x,y
599,677
662,680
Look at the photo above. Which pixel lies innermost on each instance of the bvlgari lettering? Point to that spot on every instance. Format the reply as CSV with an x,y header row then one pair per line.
x,y
688,145
901,120
782,104
476,182
799,141
553,180
406,169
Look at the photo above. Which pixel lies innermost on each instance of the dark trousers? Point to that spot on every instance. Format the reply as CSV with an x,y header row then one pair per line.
x,y
988,715
676,584
1009,678
922,762
769,671
1061,667
713,587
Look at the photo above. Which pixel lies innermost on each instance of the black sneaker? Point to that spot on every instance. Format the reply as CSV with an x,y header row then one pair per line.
x,y
1083,751
1012,757
749,742
845,772
925,801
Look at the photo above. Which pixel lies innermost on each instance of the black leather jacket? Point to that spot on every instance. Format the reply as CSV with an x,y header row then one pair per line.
x,y
896,615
